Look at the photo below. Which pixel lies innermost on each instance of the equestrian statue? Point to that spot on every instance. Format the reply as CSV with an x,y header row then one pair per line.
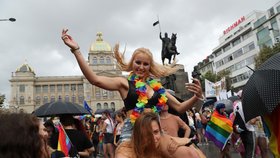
x,y
169,48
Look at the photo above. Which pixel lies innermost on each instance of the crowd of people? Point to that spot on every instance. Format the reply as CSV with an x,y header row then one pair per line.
x,y
152,135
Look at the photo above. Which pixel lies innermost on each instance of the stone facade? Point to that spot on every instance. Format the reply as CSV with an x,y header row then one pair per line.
x,y
29,91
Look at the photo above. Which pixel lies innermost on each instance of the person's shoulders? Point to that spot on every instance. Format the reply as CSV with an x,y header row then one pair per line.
x,y
177,118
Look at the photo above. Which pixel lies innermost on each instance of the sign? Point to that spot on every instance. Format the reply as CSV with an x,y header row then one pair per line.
x,y
209,89
234,25
217,89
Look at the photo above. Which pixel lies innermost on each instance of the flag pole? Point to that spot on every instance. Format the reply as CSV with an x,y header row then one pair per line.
x,y
159,24
250,68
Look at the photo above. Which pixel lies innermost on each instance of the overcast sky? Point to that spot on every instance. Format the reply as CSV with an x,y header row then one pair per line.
x,y
35,36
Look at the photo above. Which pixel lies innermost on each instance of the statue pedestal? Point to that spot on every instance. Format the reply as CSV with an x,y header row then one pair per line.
x,y
176,82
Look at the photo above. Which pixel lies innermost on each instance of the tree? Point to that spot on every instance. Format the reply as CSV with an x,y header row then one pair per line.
x,y
2,98
209,76
265,53
225,73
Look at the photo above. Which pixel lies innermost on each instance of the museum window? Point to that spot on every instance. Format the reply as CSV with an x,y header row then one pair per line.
x,y
38,89
94,61
101,60
73,87
52,88
21,88
98,106
97,93
105,105
45,88
21,100
80,88
59,88
113,106
111,94
66,88
108,60
105,93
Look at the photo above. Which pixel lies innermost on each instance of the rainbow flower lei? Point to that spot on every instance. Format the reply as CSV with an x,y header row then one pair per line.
x,y
141,91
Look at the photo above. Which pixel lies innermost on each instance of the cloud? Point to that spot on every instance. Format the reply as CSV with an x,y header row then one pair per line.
x,y
35,36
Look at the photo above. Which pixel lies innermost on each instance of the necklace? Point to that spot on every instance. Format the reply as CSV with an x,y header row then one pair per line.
x,y
141,91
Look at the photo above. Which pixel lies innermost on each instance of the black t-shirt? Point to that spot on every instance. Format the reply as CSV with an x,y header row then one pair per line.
x,y
78,139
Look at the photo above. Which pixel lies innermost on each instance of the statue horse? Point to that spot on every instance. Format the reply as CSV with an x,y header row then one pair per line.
x,y
170,50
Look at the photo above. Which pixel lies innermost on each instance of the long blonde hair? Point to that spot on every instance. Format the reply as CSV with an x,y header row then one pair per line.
x,y
156,69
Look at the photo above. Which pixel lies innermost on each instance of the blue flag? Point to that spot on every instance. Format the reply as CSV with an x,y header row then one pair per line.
x,y
87,107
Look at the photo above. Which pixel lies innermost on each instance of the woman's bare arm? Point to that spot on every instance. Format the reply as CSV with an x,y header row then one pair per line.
x,y
184,106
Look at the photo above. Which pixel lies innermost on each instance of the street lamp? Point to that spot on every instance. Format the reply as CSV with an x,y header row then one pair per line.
x,y
10,19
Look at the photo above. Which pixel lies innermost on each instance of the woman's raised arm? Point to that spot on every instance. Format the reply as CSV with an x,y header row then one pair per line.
x,y
108,83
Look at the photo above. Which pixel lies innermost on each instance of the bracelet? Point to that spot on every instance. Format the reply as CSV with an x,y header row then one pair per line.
x,y
75,49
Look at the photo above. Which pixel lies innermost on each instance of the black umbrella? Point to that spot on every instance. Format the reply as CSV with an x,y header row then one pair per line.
x,y
59,108
100,111
228,103
234,98
261,93
208,102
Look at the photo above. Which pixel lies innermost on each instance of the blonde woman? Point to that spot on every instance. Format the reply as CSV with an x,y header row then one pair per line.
x,y
139,88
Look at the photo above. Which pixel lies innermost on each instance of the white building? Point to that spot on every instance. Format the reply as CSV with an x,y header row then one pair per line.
x,y
242,41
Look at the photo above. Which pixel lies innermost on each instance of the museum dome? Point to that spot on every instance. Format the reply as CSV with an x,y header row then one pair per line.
x,y
24,68
99,45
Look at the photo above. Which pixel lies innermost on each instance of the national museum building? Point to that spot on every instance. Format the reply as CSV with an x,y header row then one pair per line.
x,y
29,91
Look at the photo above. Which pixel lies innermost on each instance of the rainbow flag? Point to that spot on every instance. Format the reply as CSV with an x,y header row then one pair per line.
x,y
273,124
63,143
219,129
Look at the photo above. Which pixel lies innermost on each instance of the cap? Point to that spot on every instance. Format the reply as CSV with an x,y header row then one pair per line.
x,y
220,106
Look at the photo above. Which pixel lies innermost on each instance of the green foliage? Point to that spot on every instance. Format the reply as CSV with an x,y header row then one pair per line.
x,y
265,53
225,73
2,98
209,76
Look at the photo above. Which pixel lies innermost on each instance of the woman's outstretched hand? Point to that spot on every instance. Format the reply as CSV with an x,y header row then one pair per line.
x,y
68,40
195,87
